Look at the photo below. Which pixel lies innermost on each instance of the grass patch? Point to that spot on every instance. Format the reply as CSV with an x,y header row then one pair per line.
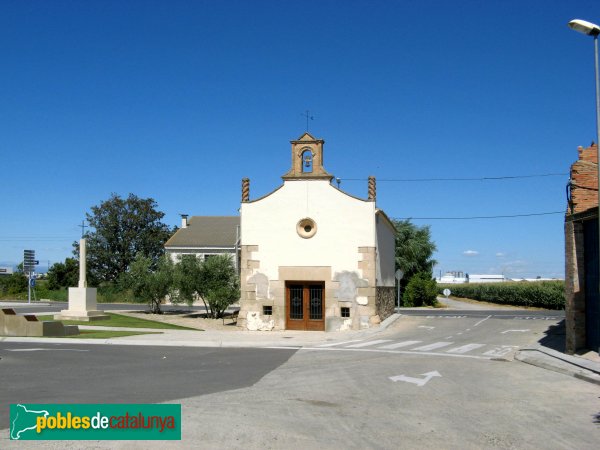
x,y
107,334
118,320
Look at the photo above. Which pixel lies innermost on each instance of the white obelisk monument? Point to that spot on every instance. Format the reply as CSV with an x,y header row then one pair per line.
x,y
82,299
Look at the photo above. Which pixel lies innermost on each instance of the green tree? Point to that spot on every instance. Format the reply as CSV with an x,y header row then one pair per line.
x,y
414,250
186,278
218,284
150,281
122,229
63,274
420,290
13,284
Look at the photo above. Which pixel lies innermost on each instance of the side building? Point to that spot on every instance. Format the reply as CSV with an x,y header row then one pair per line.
x,y
312,256
582,278
205,236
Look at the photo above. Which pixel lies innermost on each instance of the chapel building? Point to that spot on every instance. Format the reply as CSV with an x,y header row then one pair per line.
x,y
312,256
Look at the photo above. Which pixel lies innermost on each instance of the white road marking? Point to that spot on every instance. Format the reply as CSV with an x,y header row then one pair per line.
x,y
426,348
518,331
376,350
418,381
369,343
482,320
44,349
498,352
341,343
425,326
399,344
465,348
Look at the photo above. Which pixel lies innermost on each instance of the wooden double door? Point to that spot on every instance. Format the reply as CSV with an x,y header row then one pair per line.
x,y
305,305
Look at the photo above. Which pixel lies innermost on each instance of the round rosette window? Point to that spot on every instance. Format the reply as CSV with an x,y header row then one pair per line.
x,y
306,228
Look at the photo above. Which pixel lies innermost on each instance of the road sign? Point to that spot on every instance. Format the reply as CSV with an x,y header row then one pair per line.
x,y
399,274
28,260
32,282
36,262
447,292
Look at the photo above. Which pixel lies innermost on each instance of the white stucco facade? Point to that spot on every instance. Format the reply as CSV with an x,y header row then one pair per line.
x,y
308,236
338,217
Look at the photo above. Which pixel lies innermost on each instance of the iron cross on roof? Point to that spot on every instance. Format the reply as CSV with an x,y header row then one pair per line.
x,y
308,117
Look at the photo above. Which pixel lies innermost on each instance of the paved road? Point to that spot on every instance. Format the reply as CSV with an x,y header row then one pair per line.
x,y
332,400
63,373
444,391
497,313
452,336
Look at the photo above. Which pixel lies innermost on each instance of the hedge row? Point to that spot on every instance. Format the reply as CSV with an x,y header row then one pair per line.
x,y
541,294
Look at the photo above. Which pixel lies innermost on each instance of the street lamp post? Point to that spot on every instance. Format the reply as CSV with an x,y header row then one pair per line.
x,y
593,30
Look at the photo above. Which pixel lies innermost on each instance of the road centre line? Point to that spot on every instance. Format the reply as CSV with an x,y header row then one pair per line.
x,y
44,349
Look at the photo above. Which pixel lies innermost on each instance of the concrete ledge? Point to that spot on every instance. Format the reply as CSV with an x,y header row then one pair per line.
x,y
561,363
12,324
83,316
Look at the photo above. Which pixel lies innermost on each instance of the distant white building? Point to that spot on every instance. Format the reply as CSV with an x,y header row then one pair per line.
x,y
6,271
475,278
457,277
452,278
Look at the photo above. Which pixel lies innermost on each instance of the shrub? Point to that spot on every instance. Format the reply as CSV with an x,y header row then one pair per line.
x,y
13,284
541,294
421,290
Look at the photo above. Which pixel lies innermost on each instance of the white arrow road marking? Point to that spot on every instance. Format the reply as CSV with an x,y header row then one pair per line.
x,y
426,348
425,326
418,381
518,331
399,344
369,343
44,349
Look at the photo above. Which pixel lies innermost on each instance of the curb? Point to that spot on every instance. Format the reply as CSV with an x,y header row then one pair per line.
x,y
545,360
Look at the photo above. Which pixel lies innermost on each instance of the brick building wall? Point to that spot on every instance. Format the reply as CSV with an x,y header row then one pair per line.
x,y
584,181
583,205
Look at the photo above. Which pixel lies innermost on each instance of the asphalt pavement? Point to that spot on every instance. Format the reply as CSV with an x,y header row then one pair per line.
x,y
443,379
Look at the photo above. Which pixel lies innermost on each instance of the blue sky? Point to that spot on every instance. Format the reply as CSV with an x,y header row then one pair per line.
x,y
179,100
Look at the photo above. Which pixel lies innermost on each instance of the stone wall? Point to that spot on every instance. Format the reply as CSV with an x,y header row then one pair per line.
x,y
385,302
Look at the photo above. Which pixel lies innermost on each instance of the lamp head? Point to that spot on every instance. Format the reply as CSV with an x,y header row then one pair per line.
x,y
585,27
